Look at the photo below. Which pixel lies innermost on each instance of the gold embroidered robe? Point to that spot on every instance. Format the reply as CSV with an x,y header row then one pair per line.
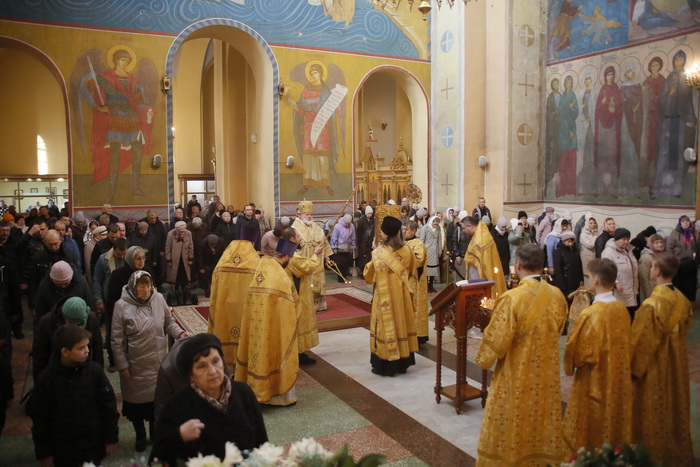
x,y
598,351
307,329
229,285
660,368
482,254
522,420
268,359
311,236
392,322
420,298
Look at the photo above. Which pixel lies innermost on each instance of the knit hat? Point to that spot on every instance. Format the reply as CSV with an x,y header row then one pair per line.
x,y
462,215
486,220
180,225
76,311
369,210
521,214
347,218
131,222
197,221
143,225
8,217
286,247
61,272
194,345
621,233
101,230
250,233
391,226
79,216
549,209
502,222
568,235
212,239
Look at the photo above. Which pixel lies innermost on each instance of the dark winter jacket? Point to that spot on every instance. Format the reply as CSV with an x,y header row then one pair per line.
x,y
568,270
503,247
227,231
48,294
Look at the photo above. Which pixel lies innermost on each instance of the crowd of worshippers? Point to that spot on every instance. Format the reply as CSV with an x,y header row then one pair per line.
x,y
75,273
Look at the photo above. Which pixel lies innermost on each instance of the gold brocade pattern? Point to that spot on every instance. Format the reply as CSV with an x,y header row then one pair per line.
x,y
392,323
483,255
307,330
661,409
598,351
420,299
229,286
310,237
267,354
522,420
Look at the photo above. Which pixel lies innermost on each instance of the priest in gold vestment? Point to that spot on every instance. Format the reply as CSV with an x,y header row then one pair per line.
x,y
598,349
482,256
311,235
522,421
392,322
660,368
268,358
420,298
229,286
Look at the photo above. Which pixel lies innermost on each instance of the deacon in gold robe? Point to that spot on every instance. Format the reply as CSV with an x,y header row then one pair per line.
x,y
598,352
660,368
229,287
267,353
420,278
311,236
522,420
482,256
392,322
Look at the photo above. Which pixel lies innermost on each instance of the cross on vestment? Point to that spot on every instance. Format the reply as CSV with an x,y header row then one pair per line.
x,y
447,183
524,184
447,89
526,85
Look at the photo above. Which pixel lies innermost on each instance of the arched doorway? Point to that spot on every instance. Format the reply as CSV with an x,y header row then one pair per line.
x,y
396,104
34,126
222,111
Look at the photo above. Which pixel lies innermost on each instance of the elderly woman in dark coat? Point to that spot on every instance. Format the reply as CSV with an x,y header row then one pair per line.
x,y
213,410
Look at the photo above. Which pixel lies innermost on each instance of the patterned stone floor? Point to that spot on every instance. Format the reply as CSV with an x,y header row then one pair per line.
x,y
341,402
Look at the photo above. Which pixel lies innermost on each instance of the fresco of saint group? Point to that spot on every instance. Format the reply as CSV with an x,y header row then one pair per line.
x,y
620,131
319,117
118,133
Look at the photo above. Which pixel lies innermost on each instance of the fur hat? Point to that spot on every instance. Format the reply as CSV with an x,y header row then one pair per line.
x,y
521,214
621,233
180,226
568,235
391,226
194,345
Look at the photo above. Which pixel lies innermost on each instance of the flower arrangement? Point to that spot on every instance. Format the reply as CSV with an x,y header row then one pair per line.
x,y
307,453
625,455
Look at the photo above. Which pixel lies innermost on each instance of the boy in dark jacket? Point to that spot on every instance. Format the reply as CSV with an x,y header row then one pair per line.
x,y
74,409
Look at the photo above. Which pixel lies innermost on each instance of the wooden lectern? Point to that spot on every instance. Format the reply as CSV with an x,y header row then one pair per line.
x,y
460,308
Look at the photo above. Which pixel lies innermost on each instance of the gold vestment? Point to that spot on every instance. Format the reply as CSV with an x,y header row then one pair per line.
x,y
420,298
392,323
307,329
483,255
598,351
310,237
268,359
522,420
660,368
229,286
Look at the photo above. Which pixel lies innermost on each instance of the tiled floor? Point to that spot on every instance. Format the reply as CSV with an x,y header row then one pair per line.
x,y
341,402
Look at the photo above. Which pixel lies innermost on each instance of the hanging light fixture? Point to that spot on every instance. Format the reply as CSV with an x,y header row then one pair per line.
x,y
425,8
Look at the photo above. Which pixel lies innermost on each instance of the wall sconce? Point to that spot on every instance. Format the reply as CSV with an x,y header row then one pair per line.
x,y
165,84
384,124
483,161
692,77
282,90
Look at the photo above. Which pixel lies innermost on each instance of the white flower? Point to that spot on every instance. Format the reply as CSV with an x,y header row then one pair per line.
x,y
204,461
233,455
266,455
306,450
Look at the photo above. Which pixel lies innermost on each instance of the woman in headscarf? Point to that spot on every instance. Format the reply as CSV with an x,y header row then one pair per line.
x,y
225,228
683,243
553,238
587,242
212,411
139,344
431,236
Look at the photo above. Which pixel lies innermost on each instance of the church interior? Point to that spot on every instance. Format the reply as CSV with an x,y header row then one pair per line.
x,y
442,104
